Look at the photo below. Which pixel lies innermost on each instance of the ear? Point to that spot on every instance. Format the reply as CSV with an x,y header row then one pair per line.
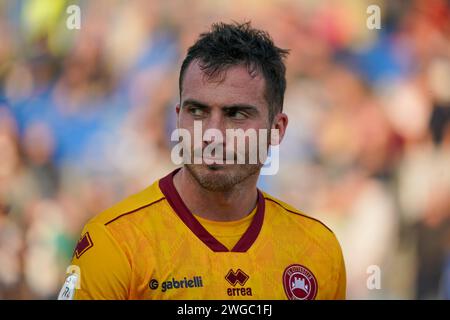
x,y
280,123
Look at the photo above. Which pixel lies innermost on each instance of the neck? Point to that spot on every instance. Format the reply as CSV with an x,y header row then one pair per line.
x,y
230,205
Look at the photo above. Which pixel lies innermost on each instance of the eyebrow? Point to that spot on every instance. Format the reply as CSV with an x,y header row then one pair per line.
x,y
232,107
195,103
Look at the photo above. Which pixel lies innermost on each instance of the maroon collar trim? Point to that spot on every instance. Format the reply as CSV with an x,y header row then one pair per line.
x,y
168,189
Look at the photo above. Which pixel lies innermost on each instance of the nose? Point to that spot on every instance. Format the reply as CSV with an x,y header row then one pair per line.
x,y
215,124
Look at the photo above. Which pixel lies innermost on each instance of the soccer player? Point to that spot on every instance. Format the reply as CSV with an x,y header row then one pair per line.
x,y
205,231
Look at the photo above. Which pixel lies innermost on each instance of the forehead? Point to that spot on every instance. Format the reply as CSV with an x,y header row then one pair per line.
x,y
233,85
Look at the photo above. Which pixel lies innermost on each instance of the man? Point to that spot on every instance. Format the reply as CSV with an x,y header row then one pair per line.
x,y
205,231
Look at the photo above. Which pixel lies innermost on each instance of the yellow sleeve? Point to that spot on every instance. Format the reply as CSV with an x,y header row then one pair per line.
x,y
342,279
104,271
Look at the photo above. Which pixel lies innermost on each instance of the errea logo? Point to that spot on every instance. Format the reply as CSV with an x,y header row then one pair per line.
x,y
238,277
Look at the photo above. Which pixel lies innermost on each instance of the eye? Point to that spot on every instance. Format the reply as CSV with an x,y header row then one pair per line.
x,y
237,115
196,112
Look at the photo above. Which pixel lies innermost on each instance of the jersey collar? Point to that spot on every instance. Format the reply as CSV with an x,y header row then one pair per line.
x,y
168,189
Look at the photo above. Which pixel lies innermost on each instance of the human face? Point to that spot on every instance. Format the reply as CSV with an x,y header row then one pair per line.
x,y
234,100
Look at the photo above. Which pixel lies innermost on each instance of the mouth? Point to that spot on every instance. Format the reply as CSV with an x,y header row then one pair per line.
x,y
214,167
213,160
210,160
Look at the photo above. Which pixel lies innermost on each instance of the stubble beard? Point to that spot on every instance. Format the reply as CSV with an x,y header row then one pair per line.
x,y
217,178
223,177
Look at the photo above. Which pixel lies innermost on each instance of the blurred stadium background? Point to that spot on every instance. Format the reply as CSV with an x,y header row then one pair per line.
x,y
86,117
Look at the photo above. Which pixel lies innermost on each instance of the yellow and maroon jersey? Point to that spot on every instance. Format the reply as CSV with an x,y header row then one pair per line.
x,y
150,246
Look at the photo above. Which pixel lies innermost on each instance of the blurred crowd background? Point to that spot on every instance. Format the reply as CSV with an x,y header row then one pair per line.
x,y
86,117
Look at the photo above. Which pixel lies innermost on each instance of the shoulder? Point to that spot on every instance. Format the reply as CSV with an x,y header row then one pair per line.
x,y
297,219
109,232
133,204
295,213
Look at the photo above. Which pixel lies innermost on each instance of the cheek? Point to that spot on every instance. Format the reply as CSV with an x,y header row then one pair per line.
x,y
261,130
185,121
256,125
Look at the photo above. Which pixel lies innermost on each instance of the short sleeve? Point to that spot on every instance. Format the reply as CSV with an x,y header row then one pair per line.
x,y
342,278
102,269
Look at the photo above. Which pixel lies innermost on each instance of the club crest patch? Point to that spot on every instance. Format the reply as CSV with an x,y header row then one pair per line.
x,y
299,283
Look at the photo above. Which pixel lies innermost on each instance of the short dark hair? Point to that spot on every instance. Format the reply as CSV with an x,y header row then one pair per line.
x,y
227,45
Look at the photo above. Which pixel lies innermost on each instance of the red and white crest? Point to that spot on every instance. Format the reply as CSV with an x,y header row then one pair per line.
x,y
299,283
